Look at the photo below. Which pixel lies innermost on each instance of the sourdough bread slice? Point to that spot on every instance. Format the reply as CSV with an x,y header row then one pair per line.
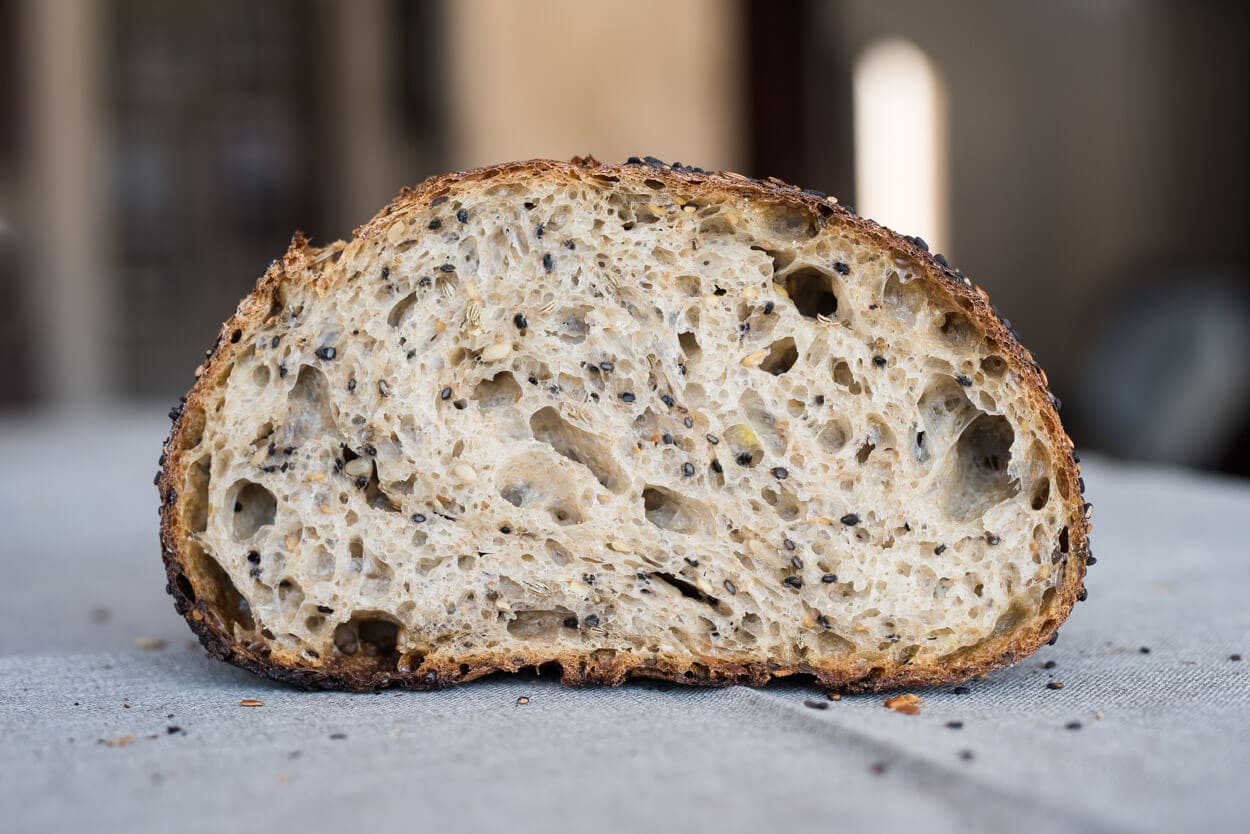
x,y
636,420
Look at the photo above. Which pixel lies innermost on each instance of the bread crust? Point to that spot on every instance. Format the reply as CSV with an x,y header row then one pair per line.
x,y
575,667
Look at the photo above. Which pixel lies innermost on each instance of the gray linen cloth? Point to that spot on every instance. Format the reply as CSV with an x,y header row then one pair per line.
x,y
1163,742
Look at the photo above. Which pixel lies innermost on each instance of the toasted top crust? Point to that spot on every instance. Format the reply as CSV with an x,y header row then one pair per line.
x,y
302,266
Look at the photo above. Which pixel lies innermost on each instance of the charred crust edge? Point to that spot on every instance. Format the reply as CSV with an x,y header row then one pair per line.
x,y
576,668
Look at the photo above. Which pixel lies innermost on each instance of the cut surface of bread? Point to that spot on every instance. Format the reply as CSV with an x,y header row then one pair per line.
x,y
635,420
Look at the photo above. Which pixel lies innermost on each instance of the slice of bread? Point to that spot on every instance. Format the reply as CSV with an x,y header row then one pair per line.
x,y
637,420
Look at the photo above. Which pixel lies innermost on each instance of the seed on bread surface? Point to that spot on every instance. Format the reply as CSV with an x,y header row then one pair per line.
x,y
637,338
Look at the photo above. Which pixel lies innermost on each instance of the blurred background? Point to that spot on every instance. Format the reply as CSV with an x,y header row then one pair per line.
x,y
1086,161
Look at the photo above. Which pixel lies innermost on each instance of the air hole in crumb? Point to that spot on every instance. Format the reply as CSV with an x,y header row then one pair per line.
x,y
578,446
500,390
195,494
835,435
842,376
369,635
1040,494
689,344
399,313
994,365
217,589
978,478
956,328
260,376
671,510
812,292
689,285
254,507
532,625
782,354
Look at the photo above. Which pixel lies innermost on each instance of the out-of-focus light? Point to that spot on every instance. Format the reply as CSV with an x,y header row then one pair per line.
x,y
900,154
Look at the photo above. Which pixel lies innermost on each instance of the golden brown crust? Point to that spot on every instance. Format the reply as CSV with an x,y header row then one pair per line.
x,y
577,668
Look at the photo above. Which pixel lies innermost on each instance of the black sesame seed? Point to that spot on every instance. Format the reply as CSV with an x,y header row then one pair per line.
x,y
568,244
713,439
793,581
788,544
253,557
961,690
1054,638
919,241
447,268
505,529
351,384
325,609
1050,664
533,380
1091,560
729,586
520,322
370,450
591,621
688,422
769,307
963,380
743,458
716,466
850,519
424,282
445,394
386,272
338,736
745,327
327,353
548,263
941,259
588,578
439,200
829,578
1054,685
235,336
780,473
967,755
607,366
435,223
538,232
667,439
879,361
667,400
462,216
841,268
796,563
811,703
819,400
939,550
1072,725
1234,657
1082,596
687,469
954,725
274,341
362,482
628,397
419,518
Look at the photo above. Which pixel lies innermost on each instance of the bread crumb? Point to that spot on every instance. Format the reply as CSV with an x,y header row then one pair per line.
x,y
835,696
908,704
396,232
522,700
148,643
465,472
120,741
251,702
